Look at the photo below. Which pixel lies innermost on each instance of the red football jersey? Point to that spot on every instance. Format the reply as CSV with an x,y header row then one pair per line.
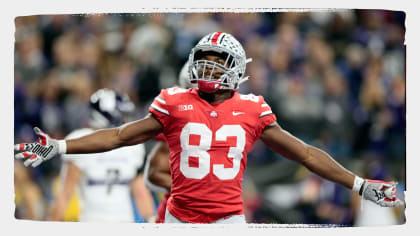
x,y
160,137
161,210
208,147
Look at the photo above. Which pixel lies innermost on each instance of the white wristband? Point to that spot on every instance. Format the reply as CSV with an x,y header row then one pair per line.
x,y
357,184
62,146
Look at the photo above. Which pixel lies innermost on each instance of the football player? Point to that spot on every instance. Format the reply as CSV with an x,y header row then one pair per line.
x,y
157,171
209,131
106,179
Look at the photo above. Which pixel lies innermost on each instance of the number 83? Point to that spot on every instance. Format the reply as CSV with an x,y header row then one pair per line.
x,y
200,150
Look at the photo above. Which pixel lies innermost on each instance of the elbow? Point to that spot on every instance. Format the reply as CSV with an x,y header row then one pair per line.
x,y
155,183
150,185
307,157
152,176
117,140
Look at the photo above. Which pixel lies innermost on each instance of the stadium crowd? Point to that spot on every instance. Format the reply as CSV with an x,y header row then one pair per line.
x,y
335,79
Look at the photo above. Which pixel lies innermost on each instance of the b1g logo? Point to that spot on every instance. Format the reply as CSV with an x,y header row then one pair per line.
x,y
185,107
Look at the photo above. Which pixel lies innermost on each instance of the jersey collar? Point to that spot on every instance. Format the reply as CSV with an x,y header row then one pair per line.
x,y
215,104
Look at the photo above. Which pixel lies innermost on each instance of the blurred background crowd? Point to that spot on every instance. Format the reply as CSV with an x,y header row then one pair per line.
x,y
335,79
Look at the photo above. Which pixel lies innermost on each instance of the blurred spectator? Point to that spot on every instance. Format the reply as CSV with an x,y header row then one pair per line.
x,y
189,30
148,46
29,60
28,197
51,111
76,107
335,134
52,27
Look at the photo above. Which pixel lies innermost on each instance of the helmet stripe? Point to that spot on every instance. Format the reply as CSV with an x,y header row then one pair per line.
x,y
215,37
221,39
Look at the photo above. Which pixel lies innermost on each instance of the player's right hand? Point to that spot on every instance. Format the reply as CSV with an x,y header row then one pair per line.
x,y
43,149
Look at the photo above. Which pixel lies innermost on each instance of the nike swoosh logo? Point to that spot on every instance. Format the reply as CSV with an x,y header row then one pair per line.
x,y
237,113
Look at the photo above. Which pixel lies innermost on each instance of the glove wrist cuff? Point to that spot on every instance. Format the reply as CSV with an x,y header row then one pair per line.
x,y
62,146
357,184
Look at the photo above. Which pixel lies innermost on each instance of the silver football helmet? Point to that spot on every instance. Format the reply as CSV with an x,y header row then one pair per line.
x,y
233,70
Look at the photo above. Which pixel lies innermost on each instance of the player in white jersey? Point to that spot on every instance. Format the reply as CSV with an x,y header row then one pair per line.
x,y
105,180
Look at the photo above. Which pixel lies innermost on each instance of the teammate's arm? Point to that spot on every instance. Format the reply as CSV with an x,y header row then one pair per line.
x,y
157,172
322,164
71,179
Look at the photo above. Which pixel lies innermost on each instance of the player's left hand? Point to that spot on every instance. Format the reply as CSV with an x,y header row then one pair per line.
x,y
381,193
44,149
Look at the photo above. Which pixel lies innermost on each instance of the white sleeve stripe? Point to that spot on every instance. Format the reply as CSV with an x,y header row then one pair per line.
x,y
264,105
161,100
266,113
161,110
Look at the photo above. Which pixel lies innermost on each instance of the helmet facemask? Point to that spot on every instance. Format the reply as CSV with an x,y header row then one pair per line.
x,y
211,75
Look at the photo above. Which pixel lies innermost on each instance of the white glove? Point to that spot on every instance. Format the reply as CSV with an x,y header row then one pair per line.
x,y
379,192
44,149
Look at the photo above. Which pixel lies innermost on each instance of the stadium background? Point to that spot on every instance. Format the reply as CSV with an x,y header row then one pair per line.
x,y
335,79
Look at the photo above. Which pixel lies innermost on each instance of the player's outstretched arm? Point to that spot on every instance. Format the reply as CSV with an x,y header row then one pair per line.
x,y
322,164
107,139
100,141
